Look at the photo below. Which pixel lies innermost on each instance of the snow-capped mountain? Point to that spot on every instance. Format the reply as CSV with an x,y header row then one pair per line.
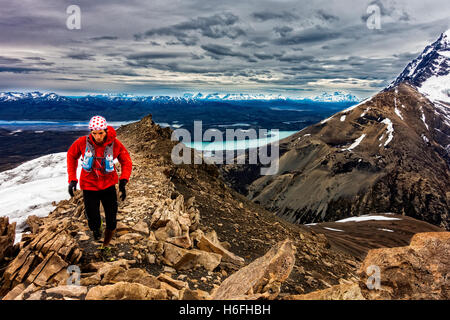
x,y
336,97
36,95
430,71
233,96
186,97
389,153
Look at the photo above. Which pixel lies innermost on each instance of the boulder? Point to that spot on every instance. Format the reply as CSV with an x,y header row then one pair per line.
x,y
141,227
178,284
417,271
207,244
263,276
72,291
344,291
189,294
182,259
126,291
34,222
7,236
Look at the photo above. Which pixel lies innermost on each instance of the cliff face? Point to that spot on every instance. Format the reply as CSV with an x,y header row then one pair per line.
x,y
389,153
379,156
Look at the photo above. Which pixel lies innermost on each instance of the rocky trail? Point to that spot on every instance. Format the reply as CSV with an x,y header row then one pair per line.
x,y
183,234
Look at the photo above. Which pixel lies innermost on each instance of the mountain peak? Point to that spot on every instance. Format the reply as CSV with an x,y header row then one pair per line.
x,y
430,71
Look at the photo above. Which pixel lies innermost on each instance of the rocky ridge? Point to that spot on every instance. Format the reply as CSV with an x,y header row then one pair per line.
x,y
181,233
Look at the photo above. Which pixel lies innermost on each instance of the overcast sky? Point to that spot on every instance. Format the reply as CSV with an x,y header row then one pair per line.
x,y
293,48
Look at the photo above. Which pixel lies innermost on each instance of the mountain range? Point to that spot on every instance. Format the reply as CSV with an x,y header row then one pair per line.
x,y
389,153
37,96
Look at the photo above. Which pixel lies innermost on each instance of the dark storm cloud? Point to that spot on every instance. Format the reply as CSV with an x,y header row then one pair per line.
x,y
264,56
282,31
252,44
327,16
215,26
35,58
268,42
316,34
216,50
81,56
272,15
156,55
9,60
297,58
104,38
18,69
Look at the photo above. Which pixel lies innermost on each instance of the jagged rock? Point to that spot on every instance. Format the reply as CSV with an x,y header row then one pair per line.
x,y
134,275
21,292
72,291
172,293
50,266
183,241
263,276
178,284
45,258
130,236
182,259
141,227
126,291
17,290
345,291
417,271
171,229
7,236
210,245
188,294
34,222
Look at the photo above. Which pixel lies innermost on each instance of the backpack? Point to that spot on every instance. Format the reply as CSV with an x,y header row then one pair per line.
x,y
107,159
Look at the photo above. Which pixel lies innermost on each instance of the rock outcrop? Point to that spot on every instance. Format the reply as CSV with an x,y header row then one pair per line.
x,y
418,271
262,278
7,237
181,233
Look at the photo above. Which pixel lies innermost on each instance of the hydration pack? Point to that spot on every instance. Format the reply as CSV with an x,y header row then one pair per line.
x,y
89,156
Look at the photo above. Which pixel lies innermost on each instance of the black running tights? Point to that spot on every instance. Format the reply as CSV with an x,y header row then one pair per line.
x,y
92,199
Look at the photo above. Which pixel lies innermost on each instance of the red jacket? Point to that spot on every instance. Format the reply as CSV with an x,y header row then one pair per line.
x,y
96,179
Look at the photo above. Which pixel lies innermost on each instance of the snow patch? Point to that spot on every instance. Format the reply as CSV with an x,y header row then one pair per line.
x,y
332,229
366,218
21,188
343,117
356,143
387,230
397,112
390,130
424,119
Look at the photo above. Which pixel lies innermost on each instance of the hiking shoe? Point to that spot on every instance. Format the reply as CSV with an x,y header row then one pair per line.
x,y
106,253
98,233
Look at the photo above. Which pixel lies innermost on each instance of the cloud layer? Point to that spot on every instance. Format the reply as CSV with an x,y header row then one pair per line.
x,y
171,47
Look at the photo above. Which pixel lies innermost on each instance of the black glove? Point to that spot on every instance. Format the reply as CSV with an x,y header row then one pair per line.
x,y
72,187
122,184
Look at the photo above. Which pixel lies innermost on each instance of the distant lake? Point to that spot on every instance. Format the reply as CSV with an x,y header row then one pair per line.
x,y
38,126
239,144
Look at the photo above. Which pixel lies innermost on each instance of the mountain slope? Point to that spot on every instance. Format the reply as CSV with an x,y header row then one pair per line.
x,y
386,154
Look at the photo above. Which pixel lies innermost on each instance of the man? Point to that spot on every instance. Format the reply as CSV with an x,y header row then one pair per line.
x,y
98,175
